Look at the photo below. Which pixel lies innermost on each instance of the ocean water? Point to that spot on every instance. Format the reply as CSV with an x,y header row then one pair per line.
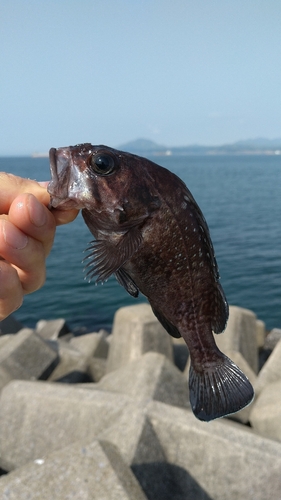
x,y
241,199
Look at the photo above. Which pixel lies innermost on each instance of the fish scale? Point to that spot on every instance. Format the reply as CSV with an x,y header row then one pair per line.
x,y
151,234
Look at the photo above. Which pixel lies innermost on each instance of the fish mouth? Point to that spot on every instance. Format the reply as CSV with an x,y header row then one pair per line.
x,y
53,164
57,196
67,187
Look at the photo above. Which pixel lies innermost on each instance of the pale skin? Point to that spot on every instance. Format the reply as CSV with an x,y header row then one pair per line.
x,y
27,230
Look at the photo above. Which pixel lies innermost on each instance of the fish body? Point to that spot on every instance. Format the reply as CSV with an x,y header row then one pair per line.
x,y
150,232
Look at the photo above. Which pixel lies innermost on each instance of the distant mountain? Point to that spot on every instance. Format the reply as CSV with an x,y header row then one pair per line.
x,y
260,146
260,142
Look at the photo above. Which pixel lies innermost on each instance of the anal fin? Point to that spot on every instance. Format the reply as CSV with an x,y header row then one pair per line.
x,y
219,389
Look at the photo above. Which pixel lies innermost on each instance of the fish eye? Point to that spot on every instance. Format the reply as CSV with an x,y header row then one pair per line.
x,y
102,164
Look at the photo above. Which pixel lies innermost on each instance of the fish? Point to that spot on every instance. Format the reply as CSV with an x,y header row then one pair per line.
x,y
151,234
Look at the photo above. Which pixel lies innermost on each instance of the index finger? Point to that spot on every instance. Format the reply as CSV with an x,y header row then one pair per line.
x,y
11,186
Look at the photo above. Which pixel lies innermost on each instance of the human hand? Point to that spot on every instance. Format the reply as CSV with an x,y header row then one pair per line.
x,y
27,230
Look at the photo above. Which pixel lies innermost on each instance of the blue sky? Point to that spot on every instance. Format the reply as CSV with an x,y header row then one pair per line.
x,y
108,71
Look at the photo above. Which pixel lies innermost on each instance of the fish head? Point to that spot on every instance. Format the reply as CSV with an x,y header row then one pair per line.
x,y
100,179
79,175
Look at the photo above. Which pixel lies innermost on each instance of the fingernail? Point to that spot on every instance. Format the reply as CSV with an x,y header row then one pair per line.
x,y
44,184
37,212
13,236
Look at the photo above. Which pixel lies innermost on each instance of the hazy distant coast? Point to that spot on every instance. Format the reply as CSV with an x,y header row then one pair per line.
x,y
248,147
146,147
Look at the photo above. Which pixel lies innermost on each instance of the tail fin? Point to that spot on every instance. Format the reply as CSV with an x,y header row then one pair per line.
x,y
218,390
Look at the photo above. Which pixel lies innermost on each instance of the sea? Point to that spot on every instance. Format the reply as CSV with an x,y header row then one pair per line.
x,y
240,197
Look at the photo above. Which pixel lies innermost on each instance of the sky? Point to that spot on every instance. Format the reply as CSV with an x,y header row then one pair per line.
x,y
177,72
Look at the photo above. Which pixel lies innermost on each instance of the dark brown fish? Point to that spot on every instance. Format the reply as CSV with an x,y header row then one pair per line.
x,y
150,233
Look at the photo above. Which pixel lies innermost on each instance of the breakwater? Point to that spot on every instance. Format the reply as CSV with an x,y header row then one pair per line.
x,y
107,416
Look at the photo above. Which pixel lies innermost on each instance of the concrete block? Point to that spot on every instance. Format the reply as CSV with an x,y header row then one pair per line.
x,y
261,333
217,460
5,338
10,325
91,344
72,367
135,332
134,436
52,329
240,335
97,368
139,445
40,417
26,356
271,370
152,376
265,416
94,471
66,337
272,338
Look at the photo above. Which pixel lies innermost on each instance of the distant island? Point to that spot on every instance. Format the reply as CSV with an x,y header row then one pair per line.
x,y
146,147
257,146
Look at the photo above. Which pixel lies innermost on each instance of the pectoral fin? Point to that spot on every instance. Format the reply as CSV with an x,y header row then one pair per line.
x,y
106,257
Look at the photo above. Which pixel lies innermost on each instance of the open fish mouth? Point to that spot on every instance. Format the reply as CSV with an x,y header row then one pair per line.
x,y
56,188
53,163
67,188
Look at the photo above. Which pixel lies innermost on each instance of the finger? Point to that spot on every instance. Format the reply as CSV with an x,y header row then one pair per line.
x,y
61,216
64,216
11,293
25,254
33,219
11,186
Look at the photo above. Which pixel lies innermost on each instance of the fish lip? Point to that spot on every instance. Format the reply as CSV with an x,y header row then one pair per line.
x,y
64,194
53,164
55,200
